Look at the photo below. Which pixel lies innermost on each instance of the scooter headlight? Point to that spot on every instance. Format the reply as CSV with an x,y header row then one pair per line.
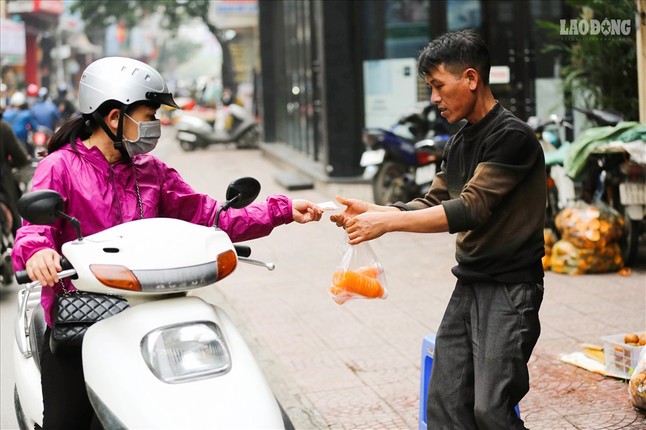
x,y
186,352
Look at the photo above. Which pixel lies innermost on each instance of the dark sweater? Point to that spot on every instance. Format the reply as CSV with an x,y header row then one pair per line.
x,y
492,186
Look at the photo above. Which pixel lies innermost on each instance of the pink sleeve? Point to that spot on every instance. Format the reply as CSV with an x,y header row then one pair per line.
x,y
31,238
257,220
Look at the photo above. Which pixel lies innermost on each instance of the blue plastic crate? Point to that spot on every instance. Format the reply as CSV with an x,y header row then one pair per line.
x,y
428,348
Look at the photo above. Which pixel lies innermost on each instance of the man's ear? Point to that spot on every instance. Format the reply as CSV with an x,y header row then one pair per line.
x,y
473,77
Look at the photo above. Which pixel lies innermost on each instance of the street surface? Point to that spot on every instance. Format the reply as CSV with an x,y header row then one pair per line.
x,y
357,365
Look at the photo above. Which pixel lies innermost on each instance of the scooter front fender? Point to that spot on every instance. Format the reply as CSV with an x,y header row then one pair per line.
x,y
126,388
28,387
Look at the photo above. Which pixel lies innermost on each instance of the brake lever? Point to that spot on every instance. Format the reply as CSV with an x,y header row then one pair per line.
x,y
268,266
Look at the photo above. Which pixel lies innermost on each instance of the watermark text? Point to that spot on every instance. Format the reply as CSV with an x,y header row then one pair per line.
x,y
595,27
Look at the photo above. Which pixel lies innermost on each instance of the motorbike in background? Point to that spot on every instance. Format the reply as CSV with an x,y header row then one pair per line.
x,y
615,175
168,359
401,162
231,124
39,139
560,188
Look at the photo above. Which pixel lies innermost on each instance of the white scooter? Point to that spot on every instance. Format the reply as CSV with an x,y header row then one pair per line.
x,y
194,132
169,360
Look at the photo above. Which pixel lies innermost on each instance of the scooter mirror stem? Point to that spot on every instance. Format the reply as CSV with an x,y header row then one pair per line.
x,y
226,205
75,223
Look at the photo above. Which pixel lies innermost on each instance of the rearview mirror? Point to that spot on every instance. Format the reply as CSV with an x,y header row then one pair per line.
x,y
40,207
242,192
43,207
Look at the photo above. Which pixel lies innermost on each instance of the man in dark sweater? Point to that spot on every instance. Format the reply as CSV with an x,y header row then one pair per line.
x,y
491,193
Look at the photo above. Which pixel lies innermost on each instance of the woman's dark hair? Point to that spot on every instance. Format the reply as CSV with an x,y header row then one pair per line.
x,y
457,51
82,126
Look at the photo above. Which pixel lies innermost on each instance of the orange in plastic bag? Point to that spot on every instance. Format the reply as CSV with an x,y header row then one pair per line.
x,y
360,275
359,283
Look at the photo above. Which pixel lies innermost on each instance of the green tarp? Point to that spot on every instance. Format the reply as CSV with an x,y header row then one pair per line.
x,y
594,138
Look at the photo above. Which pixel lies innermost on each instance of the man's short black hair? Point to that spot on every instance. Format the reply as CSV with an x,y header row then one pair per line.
x,y
457,51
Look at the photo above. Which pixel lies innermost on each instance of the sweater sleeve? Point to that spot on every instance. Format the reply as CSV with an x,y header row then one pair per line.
x,y
505,163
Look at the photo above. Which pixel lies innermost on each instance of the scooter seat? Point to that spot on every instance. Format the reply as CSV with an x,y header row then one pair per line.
x,y
37,333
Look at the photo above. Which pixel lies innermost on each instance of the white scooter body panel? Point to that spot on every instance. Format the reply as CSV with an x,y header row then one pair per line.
x,y
29,388
130,245
116,371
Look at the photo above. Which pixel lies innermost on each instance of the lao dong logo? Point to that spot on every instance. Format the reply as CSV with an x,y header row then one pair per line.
x,y
594,27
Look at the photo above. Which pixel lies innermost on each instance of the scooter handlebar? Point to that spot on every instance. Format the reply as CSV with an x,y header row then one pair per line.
x,y
23,278
242,250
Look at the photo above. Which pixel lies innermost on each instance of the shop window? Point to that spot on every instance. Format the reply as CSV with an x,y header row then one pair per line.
x,y
461,14
407,27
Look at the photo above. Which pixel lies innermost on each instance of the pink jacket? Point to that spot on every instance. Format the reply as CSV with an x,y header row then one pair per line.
x,y
101,196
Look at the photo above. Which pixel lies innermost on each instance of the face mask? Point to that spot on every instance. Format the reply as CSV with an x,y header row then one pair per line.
x,y
149,134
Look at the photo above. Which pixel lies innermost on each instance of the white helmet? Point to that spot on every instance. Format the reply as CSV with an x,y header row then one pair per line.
x,y
17,99
122,79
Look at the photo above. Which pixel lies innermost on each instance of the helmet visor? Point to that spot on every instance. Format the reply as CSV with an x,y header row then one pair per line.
x,y
162,98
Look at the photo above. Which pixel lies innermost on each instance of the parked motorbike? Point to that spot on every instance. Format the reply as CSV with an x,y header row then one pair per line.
x,y
195,132
617,177
169,360
401,162
561,188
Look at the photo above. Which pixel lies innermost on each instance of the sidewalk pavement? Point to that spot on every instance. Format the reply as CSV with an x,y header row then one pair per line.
x,y
357,365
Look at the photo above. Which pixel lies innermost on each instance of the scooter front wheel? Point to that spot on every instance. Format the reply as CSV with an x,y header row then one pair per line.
x,y
187,146
629,243
249,138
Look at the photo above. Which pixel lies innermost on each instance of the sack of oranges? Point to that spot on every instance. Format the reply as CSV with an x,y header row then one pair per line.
x,y
569,259
589,240
590,226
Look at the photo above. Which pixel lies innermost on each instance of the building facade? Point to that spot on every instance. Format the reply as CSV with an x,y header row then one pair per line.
x,y
323,62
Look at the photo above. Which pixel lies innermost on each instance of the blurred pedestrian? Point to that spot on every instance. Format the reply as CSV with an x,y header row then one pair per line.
x,y
21,119
45,111
65,106
12,156
491,193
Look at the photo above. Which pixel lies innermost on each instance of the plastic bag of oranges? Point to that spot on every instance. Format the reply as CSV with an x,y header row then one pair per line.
x,y
569,259
358,275
550,239
637,383
590,226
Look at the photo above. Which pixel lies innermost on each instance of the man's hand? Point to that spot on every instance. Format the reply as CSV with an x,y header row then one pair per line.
x,y
305,211
366,226
44,266
353,208
356,207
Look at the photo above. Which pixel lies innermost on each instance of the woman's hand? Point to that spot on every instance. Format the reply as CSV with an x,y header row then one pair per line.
x,y
44,266
305,211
